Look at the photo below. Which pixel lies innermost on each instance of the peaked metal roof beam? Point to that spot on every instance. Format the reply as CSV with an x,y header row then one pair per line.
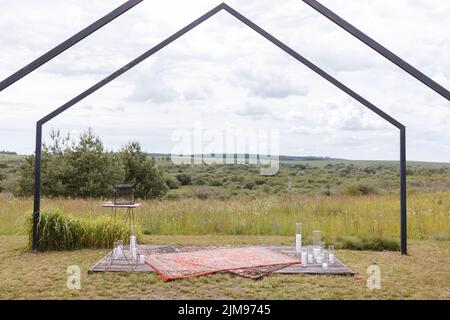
x,y
379,48
250,24
46,57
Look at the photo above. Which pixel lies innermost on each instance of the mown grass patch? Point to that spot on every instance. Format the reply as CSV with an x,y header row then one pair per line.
x,y
43,275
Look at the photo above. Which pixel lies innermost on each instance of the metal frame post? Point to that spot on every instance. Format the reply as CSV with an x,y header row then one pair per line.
x,y
37,187
403,215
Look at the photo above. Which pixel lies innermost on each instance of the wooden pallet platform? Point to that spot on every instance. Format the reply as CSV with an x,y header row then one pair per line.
x,y
122,265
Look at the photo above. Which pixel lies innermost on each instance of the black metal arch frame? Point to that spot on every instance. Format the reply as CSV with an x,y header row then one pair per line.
x,y
131,3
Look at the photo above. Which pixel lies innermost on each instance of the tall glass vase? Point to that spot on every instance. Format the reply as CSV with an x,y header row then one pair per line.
x,y
298,237
133,243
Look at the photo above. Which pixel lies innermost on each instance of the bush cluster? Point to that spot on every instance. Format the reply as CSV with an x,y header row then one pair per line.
x,y
85,169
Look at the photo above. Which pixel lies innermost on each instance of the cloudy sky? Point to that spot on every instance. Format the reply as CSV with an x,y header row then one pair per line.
x,y
224,75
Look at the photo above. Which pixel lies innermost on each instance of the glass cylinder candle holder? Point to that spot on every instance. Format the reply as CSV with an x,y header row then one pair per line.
x,y
319,258
298,236
133,244
304,258
316,252
317,237
310,255
331,254
118,249
133,230
322,246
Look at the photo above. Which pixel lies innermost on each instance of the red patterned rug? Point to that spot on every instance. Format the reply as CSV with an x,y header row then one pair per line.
x,y
171,266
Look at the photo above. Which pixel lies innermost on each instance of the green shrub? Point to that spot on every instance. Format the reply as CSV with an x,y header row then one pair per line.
x,y
359,190
372,244
215,183
205,193
249,185
172,182
184,179
58,231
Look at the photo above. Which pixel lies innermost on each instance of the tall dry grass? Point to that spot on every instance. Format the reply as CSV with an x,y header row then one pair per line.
x,y
352,220
59,231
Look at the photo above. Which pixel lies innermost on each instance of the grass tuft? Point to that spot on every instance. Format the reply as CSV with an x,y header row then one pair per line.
x,y
58,231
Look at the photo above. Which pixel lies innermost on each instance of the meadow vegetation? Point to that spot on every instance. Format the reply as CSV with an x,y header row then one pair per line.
x,y
353,222
354,203
83,168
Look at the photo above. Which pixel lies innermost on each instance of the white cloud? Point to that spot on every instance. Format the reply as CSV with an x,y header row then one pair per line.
x,y
198,93
346,115
264,84
223,70
151,85
255,111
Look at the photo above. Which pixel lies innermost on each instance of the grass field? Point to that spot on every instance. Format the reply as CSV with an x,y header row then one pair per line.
x,y
359,217
424,274
234,205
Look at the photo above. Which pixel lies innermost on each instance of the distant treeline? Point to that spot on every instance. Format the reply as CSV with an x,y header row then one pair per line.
x,y
8,152
246,156
85,168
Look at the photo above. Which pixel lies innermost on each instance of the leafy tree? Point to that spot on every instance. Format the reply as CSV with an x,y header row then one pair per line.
x,y
24,185
91,171
81,169
141,172
54,171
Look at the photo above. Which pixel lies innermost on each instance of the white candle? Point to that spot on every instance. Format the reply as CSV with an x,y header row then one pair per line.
x,y
325,265
304,259
310,258
142,258
298,242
